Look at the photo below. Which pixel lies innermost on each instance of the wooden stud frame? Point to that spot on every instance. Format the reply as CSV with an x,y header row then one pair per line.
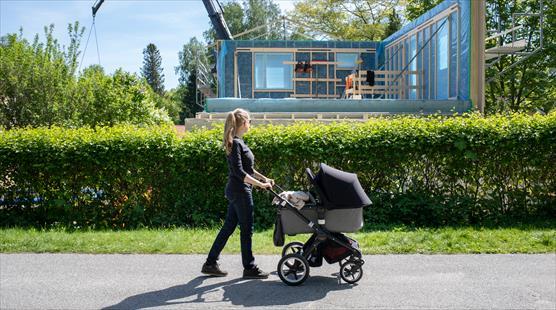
x,y
310,79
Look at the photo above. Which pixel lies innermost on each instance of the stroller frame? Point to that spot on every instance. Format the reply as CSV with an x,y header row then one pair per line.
x,y
352,264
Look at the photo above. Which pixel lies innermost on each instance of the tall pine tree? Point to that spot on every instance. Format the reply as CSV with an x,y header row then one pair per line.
x,y
152,68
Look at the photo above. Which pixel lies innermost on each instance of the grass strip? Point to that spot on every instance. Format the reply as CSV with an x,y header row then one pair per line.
x,y
198,241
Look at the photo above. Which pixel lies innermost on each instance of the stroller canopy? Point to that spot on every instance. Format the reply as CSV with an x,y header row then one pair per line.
x,y
342,189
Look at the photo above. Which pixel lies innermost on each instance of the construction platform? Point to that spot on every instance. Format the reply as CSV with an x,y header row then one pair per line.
x,y
286,111
382,106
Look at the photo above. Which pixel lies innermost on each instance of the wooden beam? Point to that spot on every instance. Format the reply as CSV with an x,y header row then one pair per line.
x,y
477,79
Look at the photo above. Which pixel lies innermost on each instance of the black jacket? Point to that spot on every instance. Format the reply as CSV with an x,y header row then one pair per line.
x,y
240,162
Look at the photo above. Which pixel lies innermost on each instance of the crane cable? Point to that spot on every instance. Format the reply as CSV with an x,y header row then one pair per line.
x,y
87,44
96,40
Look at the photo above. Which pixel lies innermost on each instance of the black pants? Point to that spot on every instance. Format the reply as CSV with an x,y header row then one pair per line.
x,y
240,210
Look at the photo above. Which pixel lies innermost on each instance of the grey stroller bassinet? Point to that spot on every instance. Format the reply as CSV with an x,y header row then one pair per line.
x,y
336,207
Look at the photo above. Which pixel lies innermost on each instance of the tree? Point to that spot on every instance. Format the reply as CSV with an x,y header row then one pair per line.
x,y
36,79
193,55
39,86
344,19
416,8
258,13
191,105
253,13
394,24
529,85
122,97
152,68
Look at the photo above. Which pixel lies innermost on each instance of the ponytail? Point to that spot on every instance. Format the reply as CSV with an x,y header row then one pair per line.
x,y
234,120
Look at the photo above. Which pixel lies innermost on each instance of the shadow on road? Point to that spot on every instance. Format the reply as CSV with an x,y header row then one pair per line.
x,y
248,293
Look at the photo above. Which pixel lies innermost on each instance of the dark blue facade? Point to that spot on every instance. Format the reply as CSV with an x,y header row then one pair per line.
x,y
311,51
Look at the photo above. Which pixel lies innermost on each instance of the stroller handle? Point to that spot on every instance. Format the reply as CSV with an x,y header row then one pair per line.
x,y
282,199
281,189
273,192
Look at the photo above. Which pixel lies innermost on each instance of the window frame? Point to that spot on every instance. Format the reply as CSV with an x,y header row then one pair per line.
x,y
266,88
340,67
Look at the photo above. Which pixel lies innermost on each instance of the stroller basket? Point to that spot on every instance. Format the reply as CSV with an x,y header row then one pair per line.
x,y
336,220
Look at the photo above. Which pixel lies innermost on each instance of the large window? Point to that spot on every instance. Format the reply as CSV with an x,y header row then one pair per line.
x,y
271,72
347,60
454,21
426,56
442,60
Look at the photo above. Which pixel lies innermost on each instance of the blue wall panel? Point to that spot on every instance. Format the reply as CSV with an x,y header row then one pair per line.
x,y
225,66
464,32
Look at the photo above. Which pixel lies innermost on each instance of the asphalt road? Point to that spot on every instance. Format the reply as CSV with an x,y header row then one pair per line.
x,y
82,281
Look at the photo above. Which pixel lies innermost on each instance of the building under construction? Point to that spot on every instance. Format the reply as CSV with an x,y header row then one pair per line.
x,y
434,64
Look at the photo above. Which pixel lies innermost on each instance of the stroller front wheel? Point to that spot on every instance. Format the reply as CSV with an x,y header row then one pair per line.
x,y
292,247
351,270
293,269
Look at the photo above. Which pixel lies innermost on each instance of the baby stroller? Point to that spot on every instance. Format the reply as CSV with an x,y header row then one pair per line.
x,y
337,208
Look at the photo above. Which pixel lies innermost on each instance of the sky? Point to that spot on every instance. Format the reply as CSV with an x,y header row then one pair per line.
x,y
123,28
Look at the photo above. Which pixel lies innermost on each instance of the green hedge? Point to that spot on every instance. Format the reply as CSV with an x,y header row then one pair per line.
x,y
429,171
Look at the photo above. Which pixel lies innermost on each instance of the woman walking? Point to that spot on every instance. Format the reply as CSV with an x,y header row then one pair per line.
x,y
241,178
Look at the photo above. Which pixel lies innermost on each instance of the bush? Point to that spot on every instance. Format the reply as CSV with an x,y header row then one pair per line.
x,y
418,171
40,86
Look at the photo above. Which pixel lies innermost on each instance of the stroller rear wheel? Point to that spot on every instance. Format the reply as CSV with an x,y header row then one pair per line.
x,y
292,247
293,269
351,270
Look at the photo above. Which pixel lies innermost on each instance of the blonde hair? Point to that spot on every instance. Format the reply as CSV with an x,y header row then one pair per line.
x,y
234,120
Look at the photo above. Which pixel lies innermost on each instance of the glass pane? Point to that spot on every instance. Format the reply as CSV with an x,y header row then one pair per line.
x,y
347,60
442,61
271,72
387,65
426,51
453,53
398,77
432,63
419,67
412,67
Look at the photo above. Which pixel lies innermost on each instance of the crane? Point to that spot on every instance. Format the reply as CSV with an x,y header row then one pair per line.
x,y
216,17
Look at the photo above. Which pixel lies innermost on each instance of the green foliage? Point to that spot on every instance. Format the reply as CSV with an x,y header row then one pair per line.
x,y
416,8
152,68
190,104
172,102
39,87
530,85
428,171
121,98
34,79
193,58
344,19
394,24
505,240
192,54
248,15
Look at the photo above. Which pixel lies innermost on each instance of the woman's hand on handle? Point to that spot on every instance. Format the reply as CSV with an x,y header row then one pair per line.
x,y
267,180
265,185
262,178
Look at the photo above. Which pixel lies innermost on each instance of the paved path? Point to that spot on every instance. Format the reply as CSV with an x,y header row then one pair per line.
x,y
81,281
